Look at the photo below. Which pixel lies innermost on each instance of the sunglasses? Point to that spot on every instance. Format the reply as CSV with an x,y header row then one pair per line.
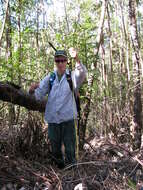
x,y
60,60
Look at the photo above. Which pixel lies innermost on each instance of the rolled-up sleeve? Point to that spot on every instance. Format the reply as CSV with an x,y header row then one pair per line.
x,y
79,75
43,88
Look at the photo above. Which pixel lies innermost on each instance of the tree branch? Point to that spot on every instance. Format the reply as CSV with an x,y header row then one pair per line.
x,y
14,94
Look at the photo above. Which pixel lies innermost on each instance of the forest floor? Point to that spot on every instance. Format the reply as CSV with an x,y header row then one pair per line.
x,y
103,165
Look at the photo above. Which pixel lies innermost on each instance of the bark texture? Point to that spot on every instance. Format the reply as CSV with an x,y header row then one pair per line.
x,y
14,94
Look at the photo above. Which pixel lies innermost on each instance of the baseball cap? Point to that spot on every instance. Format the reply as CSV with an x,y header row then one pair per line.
x,y
61,53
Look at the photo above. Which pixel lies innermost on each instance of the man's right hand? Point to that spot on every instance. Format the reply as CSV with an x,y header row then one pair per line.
x,y
33,87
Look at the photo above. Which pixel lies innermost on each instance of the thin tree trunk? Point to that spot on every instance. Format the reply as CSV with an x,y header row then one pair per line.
x,y
37,29
104,127
111,71
126,39
86,108
5,18
19,53
66,16
136,126
110,44
19,42
9,61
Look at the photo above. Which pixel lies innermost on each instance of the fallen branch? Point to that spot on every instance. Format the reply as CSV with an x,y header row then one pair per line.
x,y
14,94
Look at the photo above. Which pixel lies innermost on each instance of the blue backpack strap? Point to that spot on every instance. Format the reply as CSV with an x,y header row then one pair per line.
x,y
51,80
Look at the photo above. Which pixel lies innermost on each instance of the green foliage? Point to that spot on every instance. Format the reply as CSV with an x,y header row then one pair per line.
x,y
131,184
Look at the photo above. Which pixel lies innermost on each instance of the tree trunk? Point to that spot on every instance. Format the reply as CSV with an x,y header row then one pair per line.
x,y
19,42
105,126
136,126
66,17
11,108
11,93
4,22
37,29
86,108
19,53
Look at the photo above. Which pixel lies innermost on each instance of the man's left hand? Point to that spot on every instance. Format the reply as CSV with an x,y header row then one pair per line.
x,y
73,53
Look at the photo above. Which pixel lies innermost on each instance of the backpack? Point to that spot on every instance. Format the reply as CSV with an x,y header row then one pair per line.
x,y
76,95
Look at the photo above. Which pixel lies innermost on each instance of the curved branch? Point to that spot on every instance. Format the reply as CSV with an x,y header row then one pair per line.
x,y
14,94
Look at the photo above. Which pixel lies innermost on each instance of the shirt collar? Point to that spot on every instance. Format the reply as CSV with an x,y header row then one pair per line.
x,y
64,75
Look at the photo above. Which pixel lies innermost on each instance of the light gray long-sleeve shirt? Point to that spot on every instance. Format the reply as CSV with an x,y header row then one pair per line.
x,y
61,104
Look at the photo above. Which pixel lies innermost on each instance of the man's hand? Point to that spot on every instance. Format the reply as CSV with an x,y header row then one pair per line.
x,y
73,53
33,87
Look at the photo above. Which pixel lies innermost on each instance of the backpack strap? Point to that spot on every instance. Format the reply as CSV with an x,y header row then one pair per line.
x,y
77,100
69,79
51,80
76,95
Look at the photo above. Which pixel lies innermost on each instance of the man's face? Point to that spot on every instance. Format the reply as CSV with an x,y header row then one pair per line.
x,y
61,63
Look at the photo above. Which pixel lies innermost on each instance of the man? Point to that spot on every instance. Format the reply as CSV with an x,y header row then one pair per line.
x,y
61,110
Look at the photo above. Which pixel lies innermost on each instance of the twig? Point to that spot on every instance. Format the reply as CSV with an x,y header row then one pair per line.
x,y
133,170
57,178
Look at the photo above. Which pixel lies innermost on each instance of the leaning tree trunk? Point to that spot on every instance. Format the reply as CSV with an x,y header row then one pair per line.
x,y
137,106
86,108
12,93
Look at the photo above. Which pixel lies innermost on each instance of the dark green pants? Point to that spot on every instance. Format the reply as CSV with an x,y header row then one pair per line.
x,y
63,133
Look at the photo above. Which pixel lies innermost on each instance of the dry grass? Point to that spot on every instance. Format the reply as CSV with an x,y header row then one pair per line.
x,y
26,162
